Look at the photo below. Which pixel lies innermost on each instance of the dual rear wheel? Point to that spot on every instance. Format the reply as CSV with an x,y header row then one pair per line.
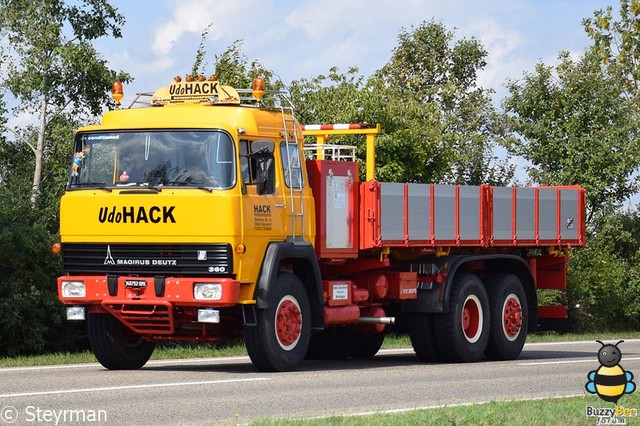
x,y
490,321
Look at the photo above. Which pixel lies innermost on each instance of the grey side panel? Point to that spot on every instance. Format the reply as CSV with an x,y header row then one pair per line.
x,y
391,211
469,213
419,211
445,212
547,219
569,214
502,213
525,213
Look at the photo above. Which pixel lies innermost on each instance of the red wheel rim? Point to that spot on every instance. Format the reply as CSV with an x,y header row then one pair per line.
x,y
472,319
511,317
288,323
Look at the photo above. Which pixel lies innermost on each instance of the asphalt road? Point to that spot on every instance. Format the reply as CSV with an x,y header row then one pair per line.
x,y
230,390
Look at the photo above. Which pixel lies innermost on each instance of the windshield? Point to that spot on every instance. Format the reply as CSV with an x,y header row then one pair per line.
x,y
158,158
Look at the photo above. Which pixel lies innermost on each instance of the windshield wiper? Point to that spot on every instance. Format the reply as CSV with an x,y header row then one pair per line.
x,y
88,185
188,184
131,187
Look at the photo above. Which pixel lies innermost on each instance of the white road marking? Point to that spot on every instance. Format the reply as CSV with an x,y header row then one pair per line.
x,y
213,360
574,361
579,342
114,388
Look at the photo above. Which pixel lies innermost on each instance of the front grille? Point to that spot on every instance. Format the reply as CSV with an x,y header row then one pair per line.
x,y
148,259
144,319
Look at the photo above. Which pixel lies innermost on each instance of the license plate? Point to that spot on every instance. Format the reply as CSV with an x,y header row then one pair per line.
x,y
135,283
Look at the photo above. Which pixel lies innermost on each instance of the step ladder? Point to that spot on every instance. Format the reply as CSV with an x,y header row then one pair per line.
x,y
290,136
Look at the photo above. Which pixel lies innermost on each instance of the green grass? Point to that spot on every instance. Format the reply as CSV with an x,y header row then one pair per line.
x,y
558,411
188,350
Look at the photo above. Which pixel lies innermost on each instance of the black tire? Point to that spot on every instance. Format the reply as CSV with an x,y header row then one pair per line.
x,y
509,317
366,345
280,339
462,333
334,342
115,346
422,335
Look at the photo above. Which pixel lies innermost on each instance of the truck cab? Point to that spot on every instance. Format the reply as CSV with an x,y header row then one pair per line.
x,y
169,211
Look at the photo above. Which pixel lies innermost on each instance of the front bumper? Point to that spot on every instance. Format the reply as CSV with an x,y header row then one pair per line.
x,y
147,305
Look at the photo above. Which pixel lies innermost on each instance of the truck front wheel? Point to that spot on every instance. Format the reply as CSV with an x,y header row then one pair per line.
x,y
115,346
509,319
279,340
463,332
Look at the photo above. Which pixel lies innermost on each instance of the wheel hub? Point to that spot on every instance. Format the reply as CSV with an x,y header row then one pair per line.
x,y
512,316
288,323
472,319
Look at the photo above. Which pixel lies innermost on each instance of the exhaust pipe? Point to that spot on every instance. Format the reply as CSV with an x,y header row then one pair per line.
x,y
377,320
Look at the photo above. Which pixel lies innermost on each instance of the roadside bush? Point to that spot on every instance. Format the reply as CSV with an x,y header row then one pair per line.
x,y
31,317
604,277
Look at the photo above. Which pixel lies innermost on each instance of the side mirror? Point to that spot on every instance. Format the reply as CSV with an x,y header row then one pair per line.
x,y
262,153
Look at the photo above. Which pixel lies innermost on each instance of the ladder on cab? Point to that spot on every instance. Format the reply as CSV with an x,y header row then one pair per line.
x,y
294,167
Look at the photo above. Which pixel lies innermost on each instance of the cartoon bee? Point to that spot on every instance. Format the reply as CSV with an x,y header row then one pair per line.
x,y
610,381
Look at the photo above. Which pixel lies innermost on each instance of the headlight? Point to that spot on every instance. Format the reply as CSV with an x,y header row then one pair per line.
x,y
73,289
207,291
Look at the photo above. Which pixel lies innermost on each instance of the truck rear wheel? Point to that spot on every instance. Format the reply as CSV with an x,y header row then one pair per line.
x,y
115,346
279,340
422,335
509,319
462,333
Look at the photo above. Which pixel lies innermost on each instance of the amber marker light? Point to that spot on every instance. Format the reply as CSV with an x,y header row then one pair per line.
x,y
177,79
116,91
56,248
258,88
241,248
213,78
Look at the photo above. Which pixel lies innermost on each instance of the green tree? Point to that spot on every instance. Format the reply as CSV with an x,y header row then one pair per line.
x,y
573,125
442,124
232,67
438,125
617,42
54,73
52,67
604,277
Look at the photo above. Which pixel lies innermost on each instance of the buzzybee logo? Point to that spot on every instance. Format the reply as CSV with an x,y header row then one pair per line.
x,y
610,382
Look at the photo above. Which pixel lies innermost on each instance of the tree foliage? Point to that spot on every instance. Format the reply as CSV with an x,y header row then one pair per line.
x,y
439,126
604,277
617,42
57,77
52,66
573,125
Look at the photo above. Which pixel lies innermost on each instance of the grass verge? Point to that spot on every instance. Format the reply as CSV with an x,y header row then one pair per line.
x,y
557,411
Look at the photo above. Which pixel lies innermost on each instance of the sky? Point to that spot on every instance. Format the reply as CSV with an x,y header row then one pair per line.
x,y
305,38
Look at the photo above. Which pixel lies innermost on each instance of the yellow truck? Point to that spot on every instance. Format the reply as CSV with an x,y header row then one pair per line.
x,y
205,217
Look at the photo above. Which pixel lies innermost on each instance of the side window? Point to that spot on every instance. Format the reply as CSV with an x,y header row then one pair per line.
x,y
257,165
291,165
